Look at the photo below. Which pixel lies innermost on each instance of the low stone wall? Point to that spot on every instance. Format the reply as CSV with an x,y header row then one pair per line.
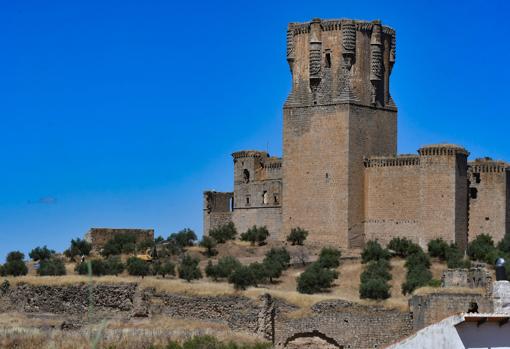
x,y
342,324
98,237
327,325
431,308
72,299
239,313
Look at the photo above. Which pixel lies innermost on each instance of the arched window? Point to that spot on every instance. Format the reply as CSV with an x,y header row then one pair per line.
x,y
265,198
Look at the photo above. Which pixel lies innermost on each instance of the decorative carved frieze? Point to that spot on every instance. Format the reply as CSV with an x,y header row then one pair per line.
x,y
290,47
348,56
315,63
376,61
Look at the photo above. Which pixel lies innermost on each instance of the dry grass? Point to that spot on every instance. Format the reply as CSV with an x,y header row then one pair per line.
x,y
346,287
450,290
28,332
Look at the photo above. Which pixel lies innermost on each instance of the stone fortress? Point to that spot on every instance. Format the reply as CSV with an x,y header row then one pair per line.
x,y
340,177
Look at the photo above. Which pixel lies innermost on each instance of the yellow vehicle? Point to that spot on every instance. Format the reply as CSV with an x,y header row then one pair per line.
x,y
148,256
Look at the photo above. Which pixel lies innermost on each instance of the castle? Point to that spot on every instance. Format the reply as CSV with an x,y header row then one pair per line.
x,y
340,177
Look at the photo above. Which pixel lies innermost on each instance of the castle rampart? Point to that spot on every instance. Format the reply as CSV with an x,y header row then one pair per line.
x,y
340,177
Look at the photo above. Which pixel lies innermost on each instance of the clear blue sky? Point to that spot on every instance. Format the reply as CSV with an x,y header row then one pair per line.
x,y
120,113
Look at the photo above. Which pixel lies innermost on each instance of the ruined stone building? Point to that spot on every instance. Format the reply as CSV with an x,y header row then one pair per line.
x,y
340,177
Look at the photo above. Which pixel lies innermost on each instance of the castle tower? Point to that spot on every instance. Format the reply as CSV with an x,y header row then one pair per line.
x,y
443,194
489,198
339,111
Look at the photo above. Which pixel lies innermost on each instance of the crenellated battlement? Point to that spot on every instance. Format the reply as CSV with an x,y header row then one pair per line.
x,y
341,61
401,160
250,154
442,149
487,165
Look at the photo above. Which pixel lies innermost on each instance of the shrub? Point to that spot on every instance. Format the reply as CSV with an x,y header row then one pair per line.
x,y
376,270
15,265
416,277
374,280
208,342
297,236
209,244
455,258
438,248
373,251
97,265
184,238
435,283
172,248
163,269
504,244
256,235
242,278
188,269
224,233
279,255
417,260
15,256
15,268
2,270
402,247
329,257
374,289
159,240
167,268
51,266
78,247
224,268
315,279
41,253
270,269
145,244
481,248
262,273
113,266
137,267
125,243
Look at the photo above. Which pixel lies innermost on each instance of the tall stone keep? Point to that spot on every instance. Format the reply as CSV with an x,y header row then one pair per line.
x,y
339,111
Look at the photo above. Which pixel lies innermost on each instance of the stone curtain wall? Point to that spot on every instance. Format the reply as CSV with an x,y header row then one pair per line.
x,y
392,198
100,236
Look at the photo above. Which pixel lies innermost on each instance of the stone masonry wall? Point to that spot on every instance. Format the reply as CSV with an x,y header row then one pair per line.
x,y
431,308
344,325
324,194
217,209
100,236
73,299
392,198
270,217
488,201
443,186
257,192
